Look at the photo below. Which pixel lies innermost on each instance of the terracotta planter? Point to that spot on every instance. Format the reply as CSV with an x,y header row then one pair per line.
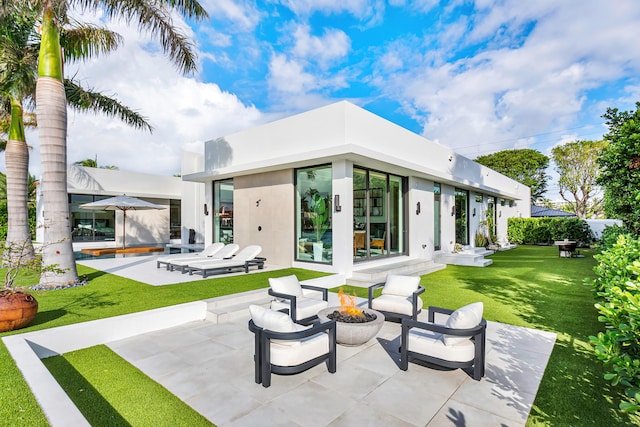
x,y
17,310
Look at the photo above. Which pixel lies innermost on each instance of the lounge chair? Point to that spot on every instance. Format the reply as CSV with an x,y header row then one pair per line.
x,y
225,253
210,250
246,258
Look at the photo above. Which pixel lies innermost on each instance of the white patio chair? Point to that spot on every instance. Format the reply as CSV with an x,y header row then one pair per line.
x,y
459,342
400,297
297,299
285,347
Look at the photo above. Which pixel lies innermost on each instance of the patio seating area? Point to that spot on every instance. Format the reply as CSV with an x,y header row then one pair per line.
x,y
210,366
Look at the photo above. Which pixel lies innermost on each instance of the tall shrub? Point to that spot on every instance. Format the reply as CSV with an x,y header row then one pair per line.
x,y
617,287
548,230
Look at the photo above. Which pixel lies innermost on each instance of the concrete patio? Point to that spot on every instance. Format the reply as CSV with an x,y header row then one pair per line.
x,y
208,363
210,367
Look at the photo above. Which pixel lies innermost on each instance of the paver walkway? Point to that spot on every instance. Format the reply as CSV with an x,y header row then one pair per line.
x,y
210,367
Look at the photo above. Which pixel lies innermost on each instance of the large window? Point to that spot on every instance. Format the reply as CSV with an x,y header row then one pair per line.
x,y
313,214
462,216
175,219
90,225
223,211
378,214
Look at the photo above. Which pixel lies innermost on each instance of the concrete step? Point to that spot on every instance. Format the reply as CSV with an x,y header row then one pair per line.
x,y
368,276
229,307
462,258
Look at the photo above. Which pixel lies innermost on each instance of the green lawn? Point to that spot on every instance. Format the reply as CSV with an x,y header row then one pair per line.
x,y
529,286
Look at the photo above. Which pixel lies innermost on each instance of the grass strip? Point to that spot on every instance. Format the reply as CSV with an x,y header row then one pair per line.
x,y
105,295
111,392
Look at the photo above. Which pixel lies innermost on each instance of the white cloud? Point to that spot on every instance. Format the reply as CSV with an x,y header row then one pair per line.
x,y
331,46
495,97
182,110
242,14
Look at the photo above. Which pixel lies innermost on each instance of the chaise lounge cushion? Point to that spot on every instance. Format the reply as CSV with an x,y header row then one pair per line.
x,y
465,317
403,286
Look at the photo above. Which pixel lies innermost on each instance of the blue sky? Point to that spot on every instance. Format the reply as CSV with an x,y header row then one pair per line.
x,y
478,76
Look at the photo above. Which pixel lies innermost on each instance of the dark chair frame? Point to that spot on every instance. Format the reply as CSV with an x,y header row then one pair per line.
x,y
571,248
206,271
262,356
293,303
397,317
477,335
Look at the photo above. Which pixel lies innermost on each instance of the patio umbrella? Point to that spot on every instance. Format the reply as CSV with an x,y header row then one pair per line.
x,y
123,203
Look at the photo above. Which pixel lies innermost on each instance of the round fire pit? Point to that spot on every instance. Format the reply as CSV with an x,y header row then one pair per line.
x,y
353,334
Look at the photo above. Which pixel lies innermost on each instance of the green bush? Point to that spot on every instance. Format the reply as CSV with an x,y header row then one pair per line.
x,y
617,287
548,230
610,236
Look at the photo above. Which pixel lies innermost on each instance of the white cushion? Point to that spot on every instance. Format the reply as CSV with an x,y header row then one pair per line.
x,y
395,304
400,285
305,307
288,285
306,349
465,317
275,321
432,344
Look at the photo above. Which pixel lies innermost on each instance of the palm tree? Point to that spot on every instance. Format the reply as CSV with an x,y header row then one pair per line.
x,y
93,163
19,47
151,15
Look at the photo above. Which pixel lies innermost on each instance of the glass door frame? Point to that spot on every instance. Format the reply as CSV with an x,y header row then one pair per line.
x,y
367,203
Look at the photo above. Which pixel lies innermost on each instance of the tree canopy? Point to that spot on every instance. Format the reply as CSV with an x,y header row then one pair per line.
x,y
527,166
620,166
576,162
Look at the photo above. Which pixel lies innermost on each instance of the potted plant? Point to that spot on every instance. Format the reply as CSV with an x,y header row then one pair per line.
x,y
17,306
319,208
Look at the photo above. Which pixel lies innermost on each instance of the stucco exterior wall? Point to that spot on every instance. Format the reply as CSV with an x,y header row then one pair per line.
x,y
264,214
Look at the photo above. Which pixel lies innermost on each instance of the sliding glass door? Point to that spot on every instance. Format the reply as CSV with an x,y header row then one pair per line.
x,y
378,214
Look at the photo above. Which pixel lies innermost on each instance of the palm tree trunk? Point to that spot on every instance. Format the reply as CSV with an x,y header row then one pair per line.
x,y
58,263
18,245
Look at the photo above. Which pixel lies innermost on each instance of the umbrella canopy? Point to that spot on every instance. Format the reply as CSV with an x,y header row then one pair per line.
x,y
122,203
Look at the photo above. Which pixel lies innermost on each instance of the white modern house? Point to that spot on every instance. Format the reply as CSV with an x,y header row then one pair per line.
x,y
338,189
104,228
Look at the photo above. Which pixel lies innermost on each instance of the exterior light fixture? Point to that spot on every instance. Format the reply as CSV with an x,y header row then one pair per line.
x,y
418,208
336,203
474,212
206,210
453,210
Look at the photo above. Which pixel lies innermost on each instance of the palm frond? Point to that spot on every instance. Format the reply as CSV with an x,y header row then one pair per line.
x,y
188,8
84,41
154,17
89,100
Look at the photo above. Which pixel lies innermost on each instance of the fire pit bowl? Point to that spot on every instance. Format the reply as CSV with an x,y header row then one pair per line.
x,y
354,334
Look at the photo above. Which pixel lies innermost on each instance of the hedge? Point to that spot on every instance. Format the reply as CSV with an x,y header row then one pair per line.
x,y
547,230
617,288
